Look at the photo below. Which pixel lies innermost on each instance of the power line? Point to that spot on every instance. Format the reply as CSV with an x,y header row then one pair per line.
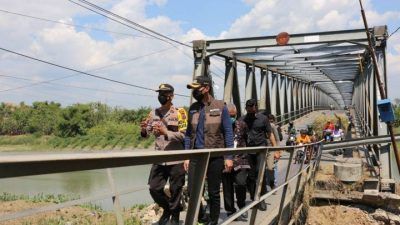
x,y
68,24
78,87
126,20
81,72
393,32
120,22
103,67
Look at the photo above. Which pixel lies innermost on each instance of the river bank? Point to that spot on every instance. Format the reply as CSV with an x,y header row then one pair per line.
x,y
51,143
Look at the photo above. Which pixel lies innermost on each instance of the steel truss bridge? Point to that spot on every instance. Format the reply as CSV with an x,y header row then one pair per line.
x,y
311,72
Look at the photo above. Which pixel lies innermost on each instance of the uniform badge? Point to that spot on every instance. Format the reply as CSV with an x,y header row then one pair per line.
x,y
215,112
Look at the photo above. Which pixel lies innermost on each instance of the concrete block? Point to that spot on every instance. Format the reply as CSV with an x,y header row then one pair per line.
x,y
349,171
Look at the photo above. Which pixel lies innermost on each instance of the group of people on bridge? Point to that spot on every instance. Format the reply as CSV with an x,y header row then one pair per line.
x,y
209,124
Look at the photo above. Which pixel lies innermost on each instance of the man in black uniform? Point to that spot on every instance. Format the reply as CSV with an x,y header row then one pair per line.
x,y
168,125
259,130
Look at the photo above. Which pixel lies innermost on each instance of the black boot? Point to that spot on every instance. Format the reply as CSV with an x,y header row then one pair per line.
x,y
262,206
211,222
164,217
174,218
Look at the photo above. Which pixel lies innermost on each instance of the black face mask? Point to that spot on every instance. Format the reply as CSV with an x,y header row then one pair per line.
x,y
198,95
251,115
163,99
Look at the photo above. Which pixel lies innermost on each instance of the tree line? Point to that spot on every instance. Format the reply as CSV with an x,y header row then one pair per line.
x,y
50,118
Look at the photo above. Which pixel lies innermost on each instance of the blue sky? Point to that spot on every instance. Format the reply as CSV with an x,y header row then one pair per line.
x,y
212,17
185,21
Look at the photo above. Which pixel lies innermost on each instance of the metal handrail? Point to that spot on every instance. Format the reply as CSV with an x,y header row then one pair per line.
x,y
30,164
358,142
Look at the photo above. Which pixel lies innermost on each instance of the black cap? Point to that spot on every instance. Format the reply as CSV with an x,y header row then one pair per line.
x,y
165,87
199,82
251,102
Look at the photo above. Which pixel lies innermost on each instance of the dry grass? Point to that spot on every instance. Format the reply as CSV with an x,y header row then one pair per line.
x,y
338,214
321,120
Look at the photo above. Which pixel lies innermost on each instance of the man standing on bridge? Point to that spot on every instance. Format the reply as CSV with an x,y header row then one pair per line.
x,y
168,125
209,126
259,131
238,175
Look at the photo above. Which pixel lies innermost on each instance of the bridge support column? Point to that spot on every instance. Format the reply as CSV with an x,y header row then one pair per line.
x,y
265,102
295,99
289,97
201,62
286,110
386,157
231,85
251,91
281,96
274,92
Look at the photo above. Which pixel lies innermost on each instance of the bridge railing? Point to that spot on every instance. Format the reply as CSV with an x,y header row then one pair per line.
x,y
30,164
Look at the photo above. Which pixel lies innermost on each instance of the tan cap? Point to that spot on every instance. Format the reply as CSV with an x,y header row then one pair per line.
x,y
165,87
199,82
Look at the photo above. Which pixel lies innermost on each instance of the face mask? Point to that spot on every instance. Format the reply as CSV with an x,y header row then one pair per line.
x,y
162,99
233,119
198,95
251,115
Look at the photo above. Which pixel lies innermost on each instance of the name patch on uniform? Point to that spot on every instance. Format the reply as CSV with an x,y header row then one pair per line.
x,y
215,112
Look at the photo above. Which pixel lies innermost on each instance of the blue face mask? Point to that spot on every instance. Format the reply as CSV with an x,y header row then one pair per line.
x,y
233,119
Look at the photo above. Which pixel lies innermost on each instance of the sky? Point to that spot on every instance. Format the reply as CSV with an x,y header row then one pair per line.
x,y
105,48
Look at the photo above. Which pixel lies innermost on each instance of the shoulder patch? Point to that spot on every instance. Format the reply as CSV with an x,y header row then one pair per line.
x,y
182,119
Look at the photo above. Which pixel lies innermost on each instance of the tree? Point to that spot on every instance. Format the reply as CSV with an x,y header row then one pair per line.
x,y
76,120
397,117
45,117
397,102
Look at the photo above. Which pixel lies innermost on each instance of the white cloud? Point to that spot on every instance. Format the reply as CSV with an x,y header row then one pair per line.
x,y
269,17
85,50
333,20
78,49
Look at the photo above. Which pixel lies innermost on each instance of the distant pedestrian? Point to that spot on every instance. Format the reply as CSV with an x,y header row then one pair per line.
x,y
209,127
168,125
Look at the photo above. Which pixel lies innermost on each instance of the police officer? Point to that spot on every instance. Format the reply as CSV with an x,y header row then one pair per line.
x,y
168,125
209,126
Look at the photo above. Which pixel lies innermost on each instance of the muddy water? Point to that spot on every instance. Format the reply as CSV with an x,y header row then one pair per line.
x,y
85,184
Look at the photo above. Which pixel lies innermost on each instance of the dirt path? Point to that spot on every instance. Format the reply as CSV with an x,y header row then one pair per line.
x,y
338,214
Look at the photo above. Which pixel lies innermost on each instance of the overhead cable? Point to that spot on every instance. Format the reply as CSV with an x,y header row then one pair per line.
x,y
393,32
73,86
69,24
76,74
120,22
82,72
89,4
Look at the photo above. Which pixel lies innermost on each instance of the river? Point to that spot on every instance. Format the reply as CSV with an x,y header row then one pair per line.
x,y
85,184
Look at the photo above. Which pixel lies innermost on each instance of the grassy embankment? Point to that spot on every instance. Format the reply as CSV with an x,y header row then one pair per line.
x,y
109,136
86,214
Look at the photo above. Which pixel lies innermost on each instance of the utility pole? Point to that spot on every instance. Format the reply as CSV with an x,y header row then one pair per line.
x,y
380,84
